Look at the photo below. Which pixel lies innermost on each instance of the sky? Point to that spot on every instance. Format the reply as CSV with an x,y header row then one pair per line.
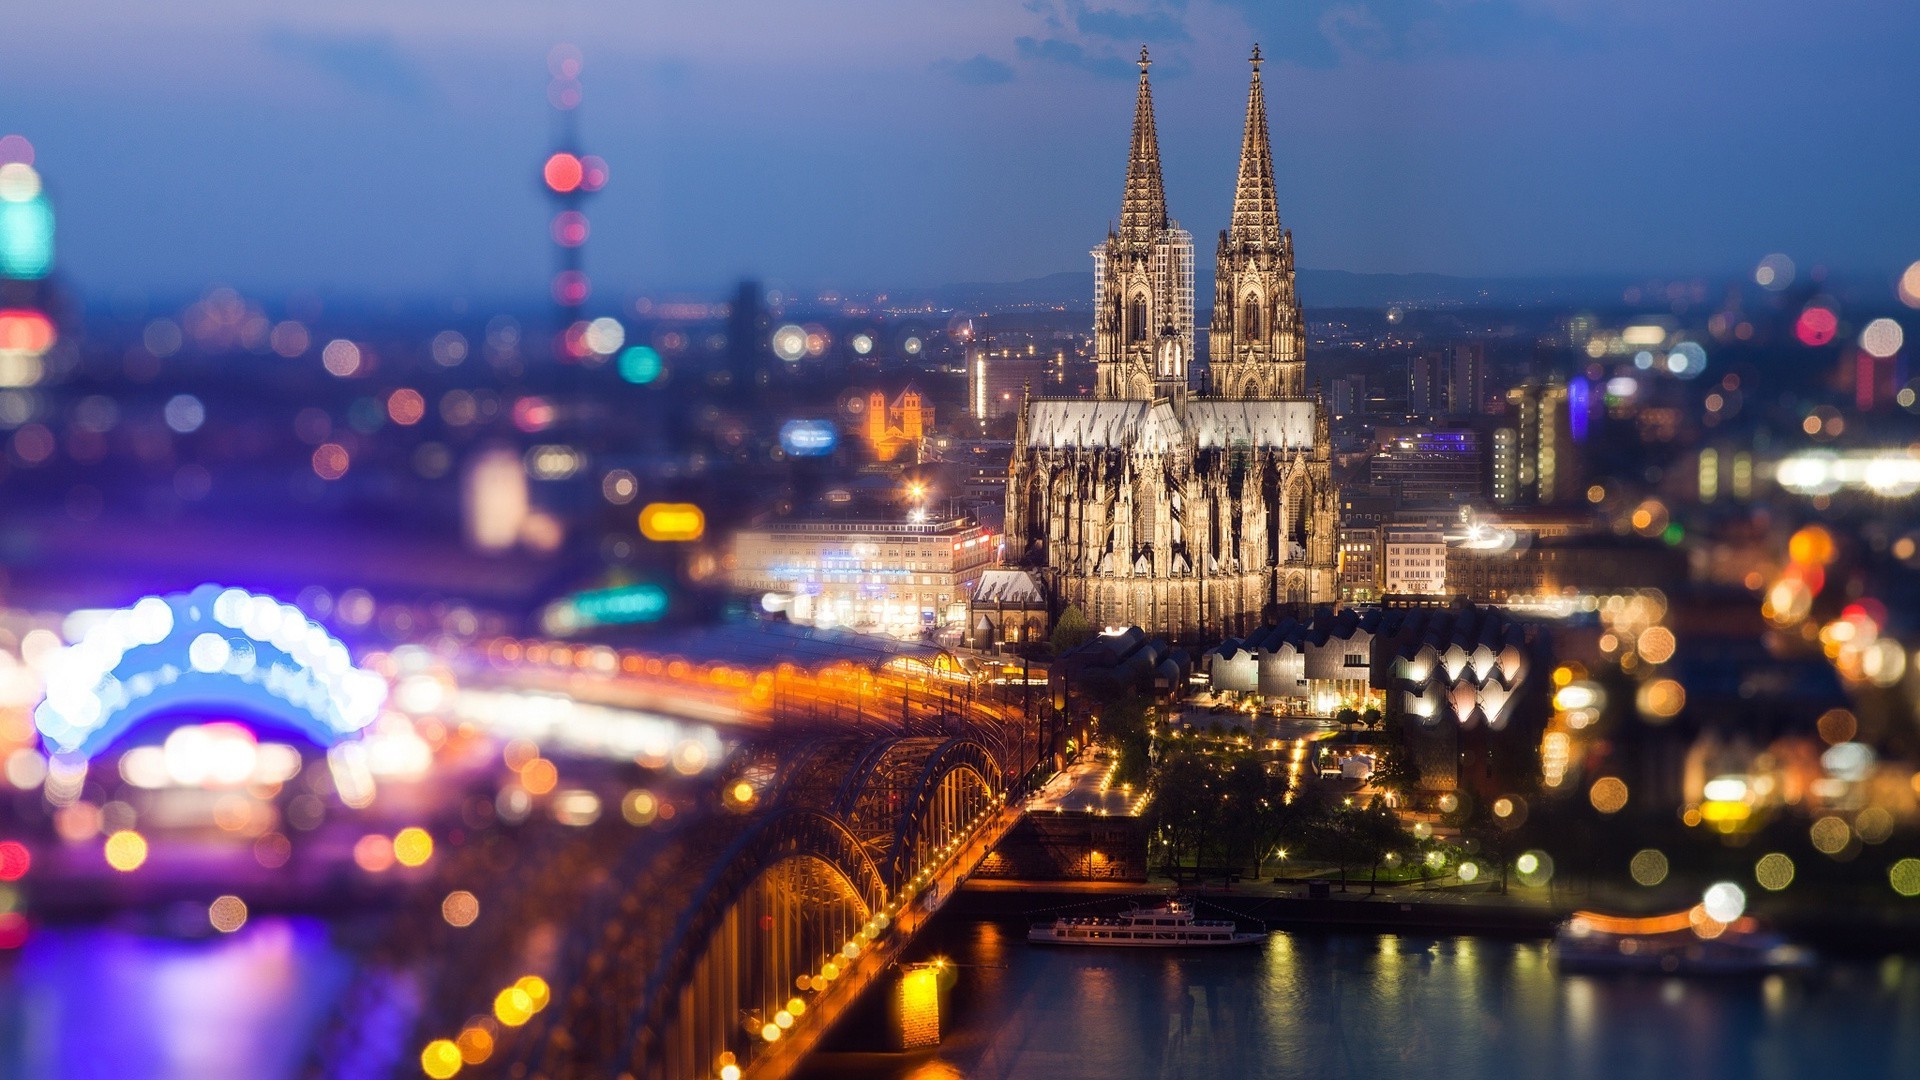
x,y
392,147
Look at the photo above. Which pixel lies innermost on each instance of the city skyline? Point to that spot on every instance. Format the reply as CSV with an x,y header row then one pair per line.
x,y
1645,141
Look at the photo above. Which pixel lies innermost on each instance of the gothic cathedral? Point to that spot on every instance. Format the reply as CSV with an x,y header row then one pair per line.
x,y
1184,514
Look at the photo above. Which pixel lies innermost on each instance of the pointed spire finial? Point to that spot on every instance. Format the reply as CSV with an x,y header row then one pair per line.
x,y
1256,211
1143,210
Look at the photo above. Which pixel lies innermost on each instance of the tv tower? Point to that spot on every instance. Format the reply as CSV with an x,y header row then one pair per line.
x,y
570,177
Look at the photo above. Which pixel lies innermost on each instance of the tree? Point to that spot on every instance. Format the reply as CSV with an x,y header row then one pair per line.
x,y
1186,803
1071,630
1380,834
1346,718
1371,718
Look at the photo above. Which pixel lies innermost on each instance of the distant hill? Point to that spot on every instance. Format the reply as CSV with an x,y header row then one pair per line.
x,y
1318,289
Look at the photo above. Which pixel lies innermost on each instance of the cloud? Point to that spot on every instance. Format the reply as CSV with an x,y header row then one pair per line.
x,y
1146,26
1105,63
1327,34
369,62
977,70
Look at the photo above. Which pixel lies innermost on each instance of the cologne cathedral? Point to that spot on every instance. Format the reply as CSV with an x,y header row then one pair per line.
x,y
1188,514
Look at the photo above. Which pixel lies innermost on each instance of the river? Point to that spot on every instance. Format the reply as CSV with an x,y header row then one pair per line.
x,y
1330,1006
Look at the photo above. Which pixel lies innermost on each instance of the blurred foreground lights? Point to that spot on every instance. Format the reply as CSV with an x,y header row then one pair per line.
x,y
576,807
412,846
227,914
460,909
1830,835
1660,700
1608,794
1724,901
1649,867
790,343
441,1059
1469,871
605,336
184,414
1881,338
672,522
15,860
1909,288
341,358
126,851
373,853
1904,876
1535,868
1774,871
1775,272
476,1045
639,807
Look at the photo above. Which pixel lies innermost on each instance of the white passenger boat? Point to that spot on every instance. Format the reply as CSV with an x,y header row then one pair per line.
x,y
1170,926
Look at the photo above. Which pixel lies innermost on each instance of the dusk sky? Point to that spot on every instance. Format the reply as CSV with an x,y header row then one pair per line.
x,y
391,147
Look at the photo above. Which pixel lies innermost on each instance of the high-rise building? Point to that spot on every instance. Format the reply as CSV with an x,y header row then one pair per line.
x,y
1448,382
978,356
1413,556
1534,458
1183,514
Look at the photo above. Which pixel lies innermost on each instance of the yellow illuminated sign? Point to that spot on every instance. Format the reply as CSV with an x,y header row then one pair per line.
x,y
672,522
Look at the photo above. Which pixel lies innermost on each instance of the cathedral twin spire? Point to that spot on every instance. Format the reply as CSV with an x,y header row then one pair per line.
x,y
1143,211
1256,209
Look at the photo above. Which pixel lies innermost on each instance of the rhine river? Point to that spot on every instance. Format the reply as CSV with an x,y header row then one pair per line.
x,y
127,1001
1325,1006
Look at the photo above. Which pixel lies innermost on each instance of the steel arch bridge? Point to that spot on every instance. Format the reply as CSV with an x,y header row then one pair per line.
x,y
716,942
733,953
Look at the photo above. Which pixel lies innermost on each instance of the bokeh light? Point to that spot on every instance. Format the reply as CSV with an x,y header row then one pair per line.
x,y
227,914
1773,871
1608,794
460,908
1648,867
126,851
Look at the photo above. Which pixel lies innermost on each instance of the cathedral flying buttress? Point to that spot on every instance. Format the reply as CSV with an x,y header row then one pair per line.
x,y
1187,515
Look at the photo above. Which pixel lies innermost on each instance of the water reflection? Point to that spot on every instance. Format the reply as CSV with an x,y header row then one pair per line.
x,y
1357,1006
105,1002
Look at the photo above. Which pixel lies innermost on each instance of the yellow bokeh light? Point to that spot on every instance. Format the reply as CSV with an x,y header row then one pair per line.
x,y
1774,871
1649,867
1904,876
441,1059
1830,835
512,1006
126,851
536,989
1608,794
412,846
1874,825
672,522
743,792
460,908
639,807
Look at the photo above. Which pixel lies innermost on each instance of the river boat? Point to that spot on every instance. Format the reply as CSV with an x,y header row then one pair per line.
x,y
1682,943
1169,926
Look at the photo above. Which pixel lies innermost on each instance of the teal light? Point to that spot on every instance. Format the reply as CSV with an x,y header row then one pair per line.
x,y
639,365
625,604
26,238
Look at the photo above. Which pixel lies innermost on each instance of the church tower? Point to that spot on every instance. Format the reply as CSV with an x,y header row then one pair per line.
x,y
1143,279
1257,342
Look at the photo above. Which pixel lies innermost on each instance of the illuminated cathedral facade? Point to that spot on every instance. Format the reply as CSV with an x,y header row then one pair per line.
x,y
1188,514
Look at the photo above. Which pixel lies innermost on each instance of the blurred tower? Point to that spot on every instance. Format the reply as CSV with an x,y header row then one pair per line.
x,y
569,177
26,258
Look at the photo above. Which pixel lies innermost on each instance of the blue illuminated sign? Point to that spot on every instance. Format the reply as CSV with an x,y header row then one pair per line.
x,y
809,438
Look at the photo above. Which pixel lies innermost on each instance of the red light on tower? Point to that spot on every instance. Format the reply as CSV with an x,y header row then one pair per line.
x,y
570,228
564,173
570,288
